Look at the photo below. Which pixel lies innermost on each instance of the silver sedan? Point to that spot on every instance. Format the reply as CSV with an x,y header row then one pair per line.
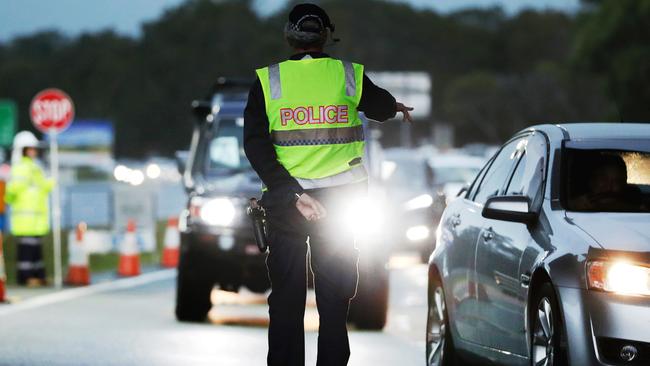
x,y
545,258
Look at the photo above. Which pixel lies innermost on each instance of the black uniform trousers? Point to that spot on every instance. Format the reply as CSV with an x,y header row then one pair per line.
x,y
30,258
334,260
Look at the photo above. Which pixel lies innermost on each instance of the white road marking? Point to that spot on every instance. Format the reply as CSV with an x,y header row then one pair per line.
x,y
78,292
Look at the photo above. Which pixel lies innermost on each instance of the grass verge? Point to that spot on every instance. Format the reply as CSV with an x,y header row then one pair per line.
x,y
97,262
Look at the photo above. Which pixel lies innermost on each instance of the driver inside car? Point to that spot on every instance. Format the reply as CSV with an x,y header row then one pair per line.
x,y
608,188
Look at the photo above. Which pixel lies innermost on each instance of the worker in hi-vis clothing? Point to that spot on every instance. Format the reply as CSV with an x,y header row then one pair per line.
x,y
27,193
304,138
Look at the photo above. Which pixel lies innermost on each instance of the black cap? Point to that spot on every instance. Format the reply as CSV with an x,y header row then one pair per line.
x,y
302,12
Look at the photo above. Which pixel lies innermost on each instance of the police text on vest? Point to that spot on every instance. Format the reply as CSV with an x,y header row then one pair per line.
x,y
326,114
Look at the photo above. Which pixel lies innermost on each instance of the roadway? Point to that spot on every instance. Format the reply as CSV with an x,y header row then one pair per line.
x,y
131,322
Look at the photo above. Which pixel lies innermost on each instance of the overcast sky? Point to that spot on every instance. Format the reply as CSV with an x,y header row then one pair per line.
x,y
20,17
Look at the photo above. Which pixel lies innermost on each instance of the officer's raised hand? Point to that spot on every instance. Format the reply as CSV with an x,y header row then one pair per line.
x,y
310,208
400,107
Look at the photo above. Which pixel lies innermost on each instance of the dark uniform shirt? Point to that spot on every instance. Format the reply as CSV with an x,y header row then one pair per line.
x,y
377,104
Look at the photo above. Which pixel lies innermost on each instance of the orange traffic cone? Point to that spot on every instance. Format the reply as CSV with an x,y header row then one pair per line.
x,y
78,271
171,244
129,264
3,275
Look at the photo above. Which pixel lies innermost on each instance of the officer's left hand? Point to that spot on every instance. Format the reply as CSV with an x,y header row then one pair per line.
x,y
310,208
400,107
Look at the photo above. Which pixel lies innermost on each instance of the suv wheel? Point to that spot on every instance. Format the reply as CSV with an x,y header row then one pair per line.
x,y
369,306
192,293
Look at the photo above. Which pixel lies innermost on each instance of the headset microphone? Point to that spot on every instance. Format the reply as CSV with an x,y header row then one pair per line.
x,y
332,40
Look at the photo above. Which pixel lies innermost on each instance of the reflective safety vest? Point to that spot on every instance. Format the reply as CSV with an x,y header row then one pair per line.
x,y
312,105
27,193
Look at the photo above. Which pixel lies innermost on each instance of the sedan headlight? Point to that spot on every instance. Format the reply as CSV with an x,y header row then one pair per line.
x,y
422,201
619,277
417,233
217,211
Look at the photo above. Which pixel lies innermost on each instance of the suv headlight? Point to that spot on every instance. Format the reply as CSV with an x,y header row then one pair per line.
x,y
216,211
619,276
363,217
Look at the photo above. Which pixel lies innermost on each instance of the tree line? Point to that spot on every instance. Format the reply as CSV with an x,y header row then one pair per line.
x,y
492,73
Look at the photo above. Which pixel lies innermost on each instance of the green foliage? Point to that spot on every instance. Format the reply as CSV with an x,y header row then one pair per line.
x,y
614,41
490,107
492,73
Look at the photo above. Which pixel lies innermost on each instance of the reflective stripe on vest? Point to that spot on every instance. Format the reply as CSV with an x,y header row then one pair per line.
x,y
317,136
312,105
355,175
350,82
274,81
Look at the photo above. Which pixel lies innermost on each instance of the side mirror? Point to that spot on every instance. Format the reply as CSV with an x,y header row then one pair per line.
x,y
509,208
181,160
201,110
463,190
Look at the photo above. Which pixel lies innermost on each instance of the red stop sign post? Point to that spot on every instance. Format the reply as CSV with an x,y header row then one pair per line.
x,y
52,111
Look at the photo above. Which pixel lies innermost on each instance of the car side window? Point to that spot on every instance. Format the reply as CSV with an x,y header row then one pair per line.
x,y
474,187
529,174
495,177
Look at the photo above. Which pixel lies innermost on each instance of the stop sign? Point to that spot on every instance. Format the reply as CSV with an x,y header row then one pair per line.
x,y
52,110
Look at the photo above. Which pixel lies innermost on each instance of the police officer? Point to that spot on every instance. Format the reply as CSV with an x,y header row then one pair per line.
x,y
27,193
303,137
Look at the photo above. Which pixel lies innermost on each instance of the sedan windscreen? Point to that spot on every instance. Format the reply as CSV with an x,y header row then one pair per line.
x,y
225,149
607,180
404,174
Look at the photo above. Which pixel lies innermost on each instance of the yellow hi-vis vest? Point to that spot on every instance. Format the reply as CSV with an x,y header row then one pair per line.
x,y
27,193
312,105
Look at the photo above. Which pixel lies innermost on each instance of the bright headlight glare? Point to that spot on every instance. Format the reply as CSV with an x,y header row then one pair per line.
x,y
417,233
218,211
619,277
364,217
421,201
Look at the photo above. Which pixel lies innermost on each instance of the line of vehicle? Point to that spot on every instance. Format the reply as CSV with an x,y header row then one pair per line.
x,y
75,293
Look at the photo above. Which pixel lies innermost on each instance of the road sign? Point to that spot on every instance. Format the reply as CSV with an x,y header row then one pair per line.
x,y
135,204
51,110
410,88
7,122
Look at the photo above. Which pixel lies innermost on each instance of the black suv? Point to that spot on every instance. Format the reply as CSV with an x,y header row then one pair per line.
x,y
217,242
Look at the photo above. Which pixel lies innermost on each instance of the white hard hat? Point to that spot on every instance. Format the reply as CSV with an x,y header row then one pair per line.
x,y
22,140
25,139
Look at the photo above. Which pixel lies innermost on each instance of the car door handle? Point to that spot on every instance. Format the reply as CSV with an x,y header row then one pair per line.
x,y
455,220
488,235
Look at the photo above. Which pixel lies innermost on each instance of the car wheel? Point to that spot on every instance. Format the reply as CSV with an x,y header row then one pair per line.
x,y
546,328
439,342
193,291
